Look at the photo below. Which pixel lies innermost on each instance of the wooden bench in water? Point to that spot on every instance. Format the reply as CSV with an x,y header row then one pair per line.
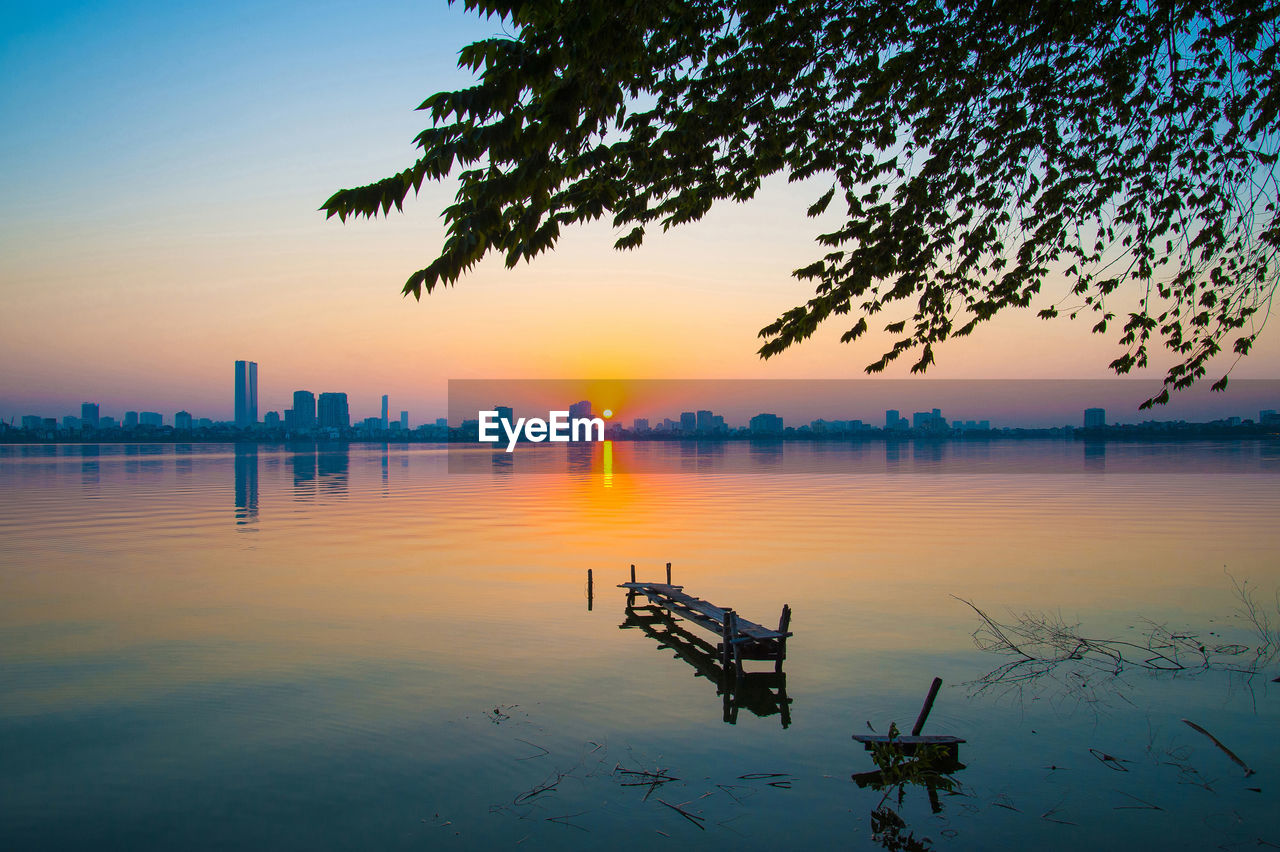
x,y
740,639
912,743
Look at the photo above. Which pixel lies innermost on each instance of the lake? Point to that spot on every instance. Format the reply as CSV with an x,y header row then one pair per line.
x,y
386,647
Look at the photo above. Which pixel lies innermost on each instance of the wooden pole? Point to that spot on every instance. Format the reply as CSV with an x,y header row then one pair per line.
x,y
668,573
783,623
737,649
928,705
591,592
726,633
633,573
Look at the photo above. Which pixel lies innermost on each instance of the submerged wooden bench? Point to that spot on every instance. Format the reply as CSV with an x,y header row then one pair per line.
x,y
908,744
740,639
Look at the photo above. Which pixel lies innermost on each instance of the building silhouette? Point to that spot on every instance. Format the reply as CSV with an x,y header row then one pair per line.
x,y
304,409
182,420
89,415
332,411
404,421
765,424
246,394
580,409
385,423
688,422
1095,418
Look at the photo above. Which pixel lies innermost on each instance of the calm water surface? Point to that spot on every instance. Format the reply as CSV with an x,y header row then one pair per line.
x,y
326,647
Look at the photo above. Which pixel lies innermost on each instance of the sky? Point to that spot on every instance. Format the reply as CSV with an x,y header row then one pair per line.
x,y
163,167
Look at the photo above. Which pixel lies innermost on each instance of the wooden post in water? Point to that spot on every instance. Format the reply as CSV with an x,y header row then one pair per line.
x,y
928,705
737,649
633,573
591,592
726,634
668,573
783,623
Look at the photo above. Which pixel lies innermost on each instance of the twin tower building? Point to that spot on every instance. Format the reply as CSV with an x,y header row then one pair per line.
x,y
308,412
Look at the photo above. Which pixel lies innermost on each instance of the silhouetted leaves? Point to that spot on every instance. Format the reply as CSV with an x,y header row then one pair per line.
x,y
983,152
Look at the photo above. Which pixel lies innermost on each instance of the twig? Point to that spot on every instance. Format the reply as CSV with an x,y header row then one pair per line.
x,y
560,820
1228,752
545,752
693,818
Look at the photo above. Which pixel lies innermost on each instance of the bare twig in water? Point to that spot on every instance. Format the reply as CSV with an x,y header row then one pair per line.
x,y
1043,645
563,820
1228,752
693,818
1110,761
544,751
1142,804
544,787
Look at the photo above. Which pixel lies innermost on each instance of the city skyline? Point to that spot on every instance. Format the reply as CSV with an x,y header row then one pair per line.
x,y
144,247
625,401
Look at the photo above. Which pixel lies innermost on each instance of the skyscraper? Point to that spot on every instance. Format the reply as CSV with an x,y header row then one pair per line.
x,y
1095,418
246,394
89,415
332,411
404,420
304,409
385,424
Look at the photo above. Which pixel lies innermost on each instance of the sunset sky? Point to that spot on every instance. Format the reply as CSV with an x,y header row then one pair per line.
x,y
163,165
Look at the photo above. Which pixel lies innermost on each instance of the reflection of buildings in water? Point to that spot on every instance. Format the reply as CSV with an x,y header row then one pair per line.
x,y
579,457
1095,456
766,453
302,464
701,455
893,454
762,693
246,464
386,474
333,462
182,463
927,455
90,470
502,461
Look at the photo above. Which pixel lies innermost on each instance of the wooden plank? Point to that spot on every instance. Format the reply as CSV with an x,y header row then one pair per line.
x,y
908,744
701,612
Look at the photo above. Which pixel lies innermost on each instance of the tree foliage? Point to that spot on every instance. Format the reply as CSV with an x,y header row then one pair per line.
x,y
1119,155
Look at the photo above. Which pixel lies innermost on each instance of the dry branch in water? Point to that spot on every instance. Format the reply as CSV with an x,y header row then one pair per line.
x,y
1043,644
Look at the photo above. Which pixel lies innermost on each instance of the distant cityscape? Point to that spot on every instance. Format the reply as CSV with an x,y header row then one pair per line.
x,y
326,416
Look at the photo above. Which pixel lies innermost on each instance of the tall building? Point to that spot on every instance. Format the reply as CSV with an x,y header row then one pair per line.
x,y
246,394
404,420
304,409
89,415
1095,418
131,420
580,409
765,424
891,418
385,423
705,422
332,412
151,418
688,422
640,425
182,420
507,413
